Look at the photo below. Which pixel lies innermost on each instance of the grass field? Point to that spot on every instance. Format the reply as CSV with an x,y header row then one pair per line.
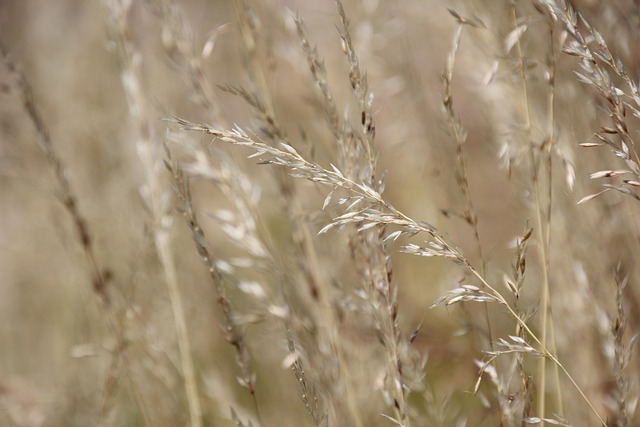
x,y
290,213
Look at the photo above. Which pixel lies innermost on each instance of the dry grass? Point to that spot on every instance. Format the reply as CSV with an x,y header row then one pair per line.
x,y
315,213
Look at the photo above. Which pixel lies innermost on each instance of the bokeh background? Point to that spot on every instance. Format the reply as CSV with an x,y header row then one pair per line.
x,y
61,361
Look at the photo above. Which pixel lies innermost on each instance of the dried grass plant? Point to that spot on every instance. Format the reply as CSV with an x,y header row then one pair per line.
x,y
320,213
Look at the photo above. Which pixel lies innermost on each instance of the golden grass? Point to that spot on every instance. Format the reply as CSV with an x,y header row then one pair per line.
x,y
308,213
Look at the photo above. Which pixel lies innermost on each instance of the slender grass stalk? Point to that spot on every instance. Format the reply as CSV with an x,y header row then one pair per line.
x,y
155,190
548,151
542,220
459,136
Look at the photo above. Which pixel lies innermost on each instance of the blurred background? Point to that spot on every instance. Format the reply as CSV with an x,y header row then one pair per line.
x,y
68,360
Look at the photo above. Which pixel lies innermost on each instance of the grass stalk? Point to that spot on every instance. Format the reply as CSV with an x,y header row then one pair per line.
x,y
156,193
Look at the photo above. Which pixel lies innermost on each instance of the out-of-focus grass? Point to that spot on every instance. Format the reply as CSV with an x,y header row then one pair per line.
x,y
69,358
